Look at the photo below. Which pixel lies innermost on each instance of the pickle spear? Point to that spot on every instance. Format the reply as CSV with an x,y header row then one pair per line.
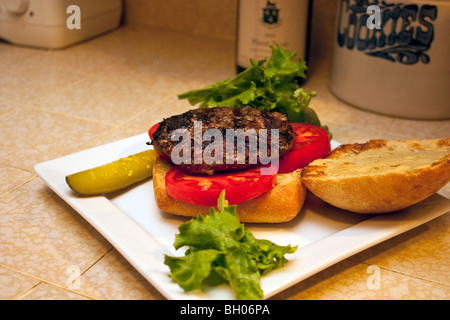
x,y
113,176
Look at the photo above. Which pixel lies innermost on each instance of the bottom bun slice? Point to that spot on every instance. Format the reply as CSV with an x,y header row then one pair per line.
x,y
281,204
380,176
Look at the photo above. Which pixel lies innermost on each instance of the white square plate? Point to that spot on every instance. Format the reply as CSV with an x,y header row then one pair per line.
x,y
133,224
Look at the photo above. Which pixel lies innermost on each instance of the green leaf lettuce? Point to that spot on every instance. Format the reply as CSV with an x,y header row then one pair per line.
x,y
265,86
219,246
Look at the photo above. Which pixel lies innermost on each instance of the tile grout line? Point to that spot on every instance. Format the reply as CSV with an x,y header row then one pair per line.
x,y
114,126
124,123
16,167
18,187
26,292
22,295
97,138
19,107
41,280
84,272
41,109
56,92
144,110
401,273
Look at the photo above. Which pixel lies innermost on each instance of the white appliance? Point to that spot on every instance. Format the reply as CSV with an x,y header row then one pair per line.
x,y
55,24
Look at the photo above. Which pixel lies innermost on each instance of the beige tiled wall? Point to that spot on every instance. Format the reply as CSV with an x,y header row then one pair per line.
x,y
214,18
217,19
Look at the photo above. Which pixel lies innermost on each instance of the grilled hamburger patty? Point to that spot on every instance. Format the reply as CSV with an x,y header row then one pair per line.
x,y
223,118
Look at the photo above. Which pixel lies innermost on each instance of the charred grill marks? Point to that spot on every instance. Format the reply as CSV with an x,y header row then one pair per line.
x,y
223,118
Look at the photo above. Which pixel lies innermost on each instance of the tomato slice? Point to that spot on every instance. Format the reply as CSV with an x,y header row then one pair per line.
x,y
202,190
311,143
152,130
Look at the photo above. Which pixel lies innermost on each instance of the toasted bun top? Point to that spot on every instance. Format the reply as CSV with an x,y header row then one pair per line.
x,y
382,156
379,175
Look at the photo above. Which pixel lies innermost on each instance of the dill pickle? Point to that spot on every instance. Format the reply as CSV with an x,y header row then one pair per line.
x,y
113,176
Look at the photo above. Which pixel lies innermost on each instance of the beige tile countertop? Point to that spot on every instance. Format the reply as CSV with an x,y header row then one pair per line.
x,y
54,103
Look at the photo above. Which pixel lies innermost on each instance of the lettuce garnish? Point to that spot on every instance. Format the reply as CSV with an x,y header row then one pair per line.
x,y
221,249
269,87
